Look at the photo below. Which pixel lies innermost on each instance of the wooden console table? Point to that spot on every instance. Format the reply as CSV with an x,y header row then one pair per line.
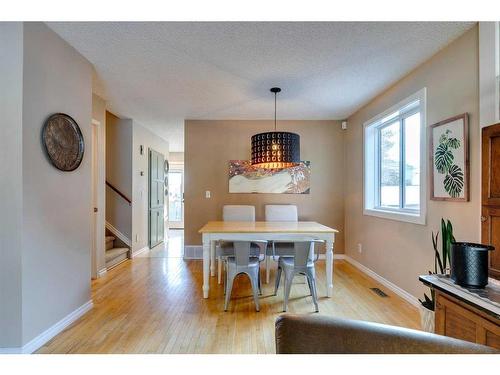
x,y
466,314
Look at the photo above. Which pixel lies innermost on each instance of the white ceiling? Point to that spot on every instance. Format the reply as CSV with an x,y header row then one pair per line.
x,y
161,73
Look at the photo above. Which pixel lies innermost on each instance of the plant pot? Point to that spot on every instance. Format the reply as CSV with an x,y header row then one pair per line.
x,y
469,264
427,319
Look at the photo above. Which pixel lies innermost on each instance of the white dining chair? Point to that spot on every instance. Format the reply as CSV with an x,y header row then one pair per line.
x,y
279,212
225,249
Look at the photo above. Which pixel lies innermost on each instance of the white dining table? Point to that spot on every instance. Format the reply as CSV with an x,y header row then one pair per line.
x,y
215,231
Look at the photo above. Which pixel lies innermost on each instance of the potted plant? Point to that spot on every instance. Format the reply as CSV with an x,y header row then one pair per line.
x,y
441,261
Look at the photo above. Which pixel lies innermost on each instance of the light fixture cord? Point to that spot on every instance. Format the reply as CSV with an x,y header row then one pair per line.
x,y
275,110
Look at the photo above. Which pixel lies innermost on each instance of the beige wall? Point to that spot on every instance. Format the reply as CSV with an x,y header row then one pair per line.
x,y
176,157
209,145
119,172
56,205
149,140
11,172
401,251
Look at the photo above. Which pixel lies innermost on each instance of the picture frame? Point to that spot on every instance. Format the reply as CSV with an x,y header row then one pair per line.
x,y
449,159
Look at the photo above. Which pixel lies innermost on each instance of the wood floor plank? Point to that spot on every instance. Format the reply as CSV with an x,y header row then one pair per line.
x,y
155,305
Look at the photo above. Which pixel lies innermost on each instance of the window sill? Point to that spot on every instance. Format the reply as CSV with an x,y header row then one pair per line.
x,y
395,215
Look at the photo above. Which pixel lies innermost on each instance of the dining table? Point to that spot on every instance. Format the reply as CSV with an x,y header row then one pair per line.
x,y
215,231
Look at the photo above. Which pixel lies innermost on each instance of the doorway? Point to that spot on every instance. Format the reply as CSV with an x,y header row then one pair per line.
x,y
176,196
97,200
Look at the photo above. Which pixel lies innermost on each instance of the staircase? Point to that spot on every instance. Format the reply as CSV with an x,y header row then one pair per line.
x,y
115,255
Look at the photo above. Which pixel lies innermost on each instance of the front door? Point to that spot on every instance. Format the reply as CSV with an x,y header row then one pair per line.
x,y
490,195
156,198
176,198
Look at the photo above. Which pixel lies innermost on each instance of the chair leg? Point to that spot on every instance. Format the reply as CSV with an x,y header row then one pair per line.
x,y
278,278
312,279
260,283
288,287
309,284
255,289
268,268
219,270
229,287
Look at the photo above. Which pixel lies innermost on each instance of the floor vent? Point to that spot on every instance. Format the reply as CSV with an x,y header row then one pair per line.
x,y
379,292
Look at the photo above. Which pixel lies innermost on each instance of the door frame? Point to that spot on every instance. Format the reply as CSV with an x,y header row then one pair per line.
x,y
98,197
176,167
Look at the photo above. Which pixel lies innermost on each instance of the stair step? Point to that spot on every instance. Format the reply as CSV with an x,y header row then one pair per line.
x,y
110,242
115,253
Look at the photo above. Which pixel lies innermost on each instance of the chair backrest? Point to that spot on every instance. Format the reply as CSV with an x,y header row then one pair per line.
x,y
238,213
302,253
281,212
242,252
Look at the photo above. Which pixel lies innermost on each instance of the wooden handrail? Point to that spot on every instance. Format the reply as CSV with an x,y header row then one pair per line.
x,y
119,193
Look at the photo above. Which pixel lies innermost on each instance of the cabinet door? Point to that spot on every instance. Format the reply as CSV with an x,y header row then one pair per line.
x,y
456,320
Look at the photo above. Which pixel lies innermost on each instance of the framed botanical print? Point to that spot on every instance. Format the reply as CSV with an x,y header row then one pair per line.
x,y
449,159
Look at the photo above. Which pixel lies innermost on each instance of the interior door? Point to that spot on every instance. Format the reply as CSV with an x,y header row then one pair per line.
x,y
156,199
490,195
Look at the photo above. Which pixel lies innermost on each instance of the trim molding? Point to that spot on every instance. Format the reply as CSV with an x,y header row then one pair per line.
x,y
102,273
48,334
140,251
396,289
119,234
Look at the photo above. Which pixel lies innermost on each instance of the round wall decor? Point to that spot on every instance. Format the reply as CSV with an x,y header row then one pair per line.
x,y
63,142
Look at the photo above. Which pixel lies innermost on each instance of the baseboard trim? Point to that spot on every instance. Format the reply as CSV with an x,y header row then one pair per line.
x,y
48,334
119,234
102,273
140,251
396,289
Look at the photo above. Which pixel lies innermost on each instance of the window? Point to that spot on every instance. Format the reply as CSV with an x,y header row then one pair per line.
x,y
394,162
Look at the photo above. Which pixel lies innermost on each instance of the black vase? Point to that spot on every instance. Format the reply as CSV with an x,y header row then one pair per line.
x,y
469,264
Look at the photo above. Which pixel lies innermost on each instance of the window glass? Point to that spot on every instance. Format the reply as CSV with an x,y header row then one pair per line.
x,y
390,165
412,162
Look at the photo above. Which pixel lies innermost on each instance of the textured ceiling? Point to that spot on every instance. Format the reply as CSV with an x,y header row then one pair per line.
x,y
161,73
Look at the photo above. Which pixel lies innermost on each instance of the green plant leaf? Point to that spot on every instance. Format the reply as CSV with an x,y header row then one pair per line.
x,y
454,181
443,158
437,256
443,243
453,143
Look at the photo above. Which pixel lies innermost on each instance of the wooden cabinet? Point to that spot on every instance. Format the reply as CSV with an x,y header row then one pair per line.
x,y
457,319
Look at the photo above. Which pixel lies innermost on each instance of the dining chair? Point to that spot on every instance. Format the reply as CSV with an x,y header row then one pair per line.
x,y
279,212
225,248
301,263
244,261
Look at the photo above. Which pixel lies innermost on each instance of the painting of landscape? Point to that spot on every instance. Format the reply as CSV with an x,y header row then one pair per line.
x,y
245,178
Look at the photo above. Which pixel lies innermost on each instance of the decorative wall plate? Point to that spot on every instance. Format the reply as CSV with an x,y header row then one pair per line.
x,y
63,142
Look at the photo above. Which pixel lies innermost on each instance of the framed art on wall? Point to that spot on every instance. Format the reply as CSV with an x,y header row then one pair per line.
x,y
449,158
247,178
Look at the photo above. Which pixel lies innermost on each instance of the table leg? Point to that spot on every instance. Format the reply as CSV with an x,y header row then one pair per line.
x,y
206,265
212,258
329,268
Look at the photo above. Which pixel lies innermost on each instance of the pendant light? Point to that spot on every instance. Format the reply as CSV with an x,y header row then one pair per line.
x,y
275,149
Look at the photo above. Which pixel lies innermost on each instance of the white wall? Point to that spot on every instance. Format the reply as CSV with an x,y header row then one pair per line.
x,y
148,139
56,204
11,82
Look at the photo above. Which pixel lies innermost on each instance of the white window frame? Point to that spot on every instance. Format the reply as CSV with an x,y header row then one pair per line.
x,y
371,164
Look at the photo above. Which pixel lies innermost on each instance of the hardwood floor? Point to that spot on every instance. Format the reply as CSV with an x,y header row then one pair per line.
x,y
155,305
